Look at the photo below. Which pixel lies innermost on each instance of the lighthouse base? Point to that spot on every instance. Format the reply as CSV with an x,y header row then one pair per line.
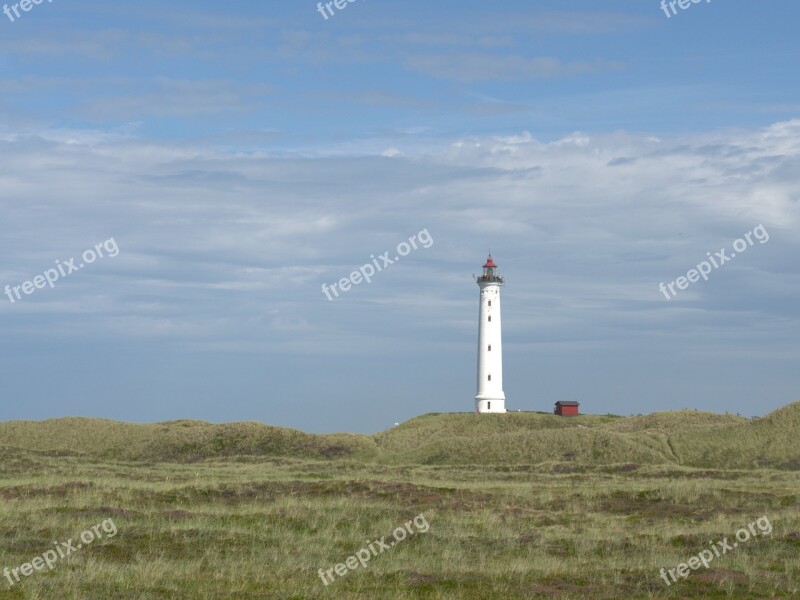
x,y
490,405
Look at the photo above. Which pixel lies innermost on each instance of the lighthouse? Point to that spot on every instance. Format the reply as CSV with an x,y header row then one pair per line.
x,y
490,397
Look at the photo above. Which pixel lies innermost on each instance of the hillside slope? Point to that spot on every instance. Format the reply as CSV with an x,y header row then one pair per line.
x,y
517,438
178,441
772,441
674,421
690,438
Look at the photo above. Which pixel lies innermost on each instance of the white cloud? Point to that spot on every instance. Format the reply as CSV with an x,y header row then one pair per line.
x,y
213,244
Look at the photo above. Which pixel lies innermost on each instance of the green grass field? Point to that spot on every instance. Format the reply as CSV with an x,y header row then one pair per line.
x,y
523,505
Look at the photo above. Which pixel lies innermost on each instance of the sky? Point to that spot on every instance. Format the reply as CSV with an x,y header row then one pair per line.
x,y
228,160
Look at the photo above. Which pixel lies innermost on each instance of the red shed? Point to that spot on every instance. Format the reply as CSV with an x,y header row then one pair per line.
x,y
567,408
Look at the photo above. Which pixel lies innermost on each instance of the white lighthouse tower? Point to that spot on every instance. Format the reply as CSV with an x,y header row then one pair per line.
x,y
490,397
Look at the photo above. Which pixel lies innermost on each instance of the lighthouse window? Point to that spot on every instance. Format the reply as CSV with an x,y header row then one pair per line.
x,y
490,347
488,406
490,302
490,377
490,317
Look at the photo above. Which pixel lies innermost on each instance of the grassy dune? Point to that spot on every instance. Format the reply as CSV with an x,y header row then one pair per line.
x,y
773,441
520,506
690,438
671,422
177,441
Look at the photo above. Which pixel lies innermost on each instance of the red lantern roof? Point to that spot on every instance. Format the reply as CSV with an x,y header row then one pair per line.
x,y
489,262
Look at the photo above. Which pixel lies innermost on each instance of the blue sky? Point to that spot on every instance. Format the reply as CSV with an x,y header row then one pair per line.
x,y
241,154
